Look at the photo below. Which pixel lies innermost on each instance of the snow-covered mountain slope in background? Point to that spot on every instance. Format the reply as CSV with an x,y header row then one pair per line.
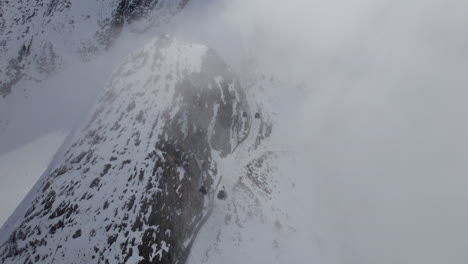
x,y
172,118
40,37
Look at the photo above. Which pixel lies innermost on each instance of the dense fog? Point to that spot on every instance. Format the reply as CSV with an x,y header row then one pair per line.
x,y
372,101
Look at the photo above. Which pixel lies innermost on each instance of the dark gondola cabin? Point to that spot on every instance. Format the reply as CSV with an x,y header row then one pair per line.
x,y
222,195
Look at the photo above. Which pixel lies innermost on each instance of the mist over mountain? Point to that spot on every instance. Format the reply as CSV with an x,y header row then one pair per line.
x,y
233,131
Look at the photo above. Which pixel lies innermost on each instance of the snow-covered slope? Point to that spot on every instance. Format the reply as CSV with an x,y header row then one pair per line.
x,y
55,57
37,38
172,118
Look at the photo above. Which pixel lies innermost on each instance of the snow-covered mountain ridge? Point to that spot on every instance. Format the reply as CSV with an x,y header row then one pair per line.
x,y
173,118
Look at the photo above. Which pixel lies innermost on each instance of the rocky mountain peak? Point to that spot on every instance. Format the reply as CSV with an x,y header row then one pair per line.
x,y
126,189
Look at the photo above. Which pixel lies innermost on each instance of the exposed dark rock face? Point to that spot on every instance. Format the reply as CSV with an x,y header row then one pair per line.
x,y
128,11
15,70
126,189
35,34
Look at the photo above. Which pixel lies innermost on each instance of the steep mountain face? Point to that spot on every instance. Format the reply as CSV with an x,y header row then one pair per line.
x,y
254,225
173,118
39,37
